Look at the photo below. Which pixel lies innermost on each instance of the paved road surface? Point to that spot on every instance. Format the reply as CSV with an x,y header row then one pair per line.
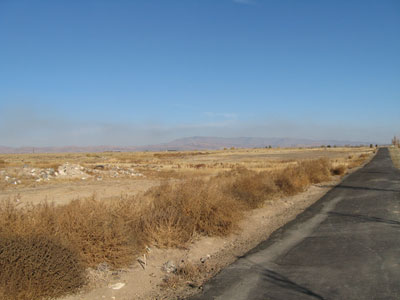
x,y
346,246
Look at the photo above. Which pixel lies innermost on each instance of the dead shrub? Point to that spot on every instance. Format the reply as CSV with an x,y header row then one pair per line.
x,y
38,267
98,232
115,232
186,273
338,170
316,170
295,179
180,211
250,188
291,180
2,163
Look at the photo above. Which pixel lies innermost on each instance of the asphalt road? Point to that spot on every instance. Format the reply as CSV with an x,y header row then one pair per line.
x,y
345,246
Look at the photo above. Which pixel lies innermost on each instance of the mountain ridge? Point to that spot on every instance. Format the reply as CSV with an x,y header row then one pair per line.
x,y
190,143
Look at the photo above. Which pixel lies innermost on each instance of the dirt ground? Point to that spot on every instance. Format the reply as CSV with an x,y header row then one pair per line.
x,y
62,193
60,178
148,282
63,177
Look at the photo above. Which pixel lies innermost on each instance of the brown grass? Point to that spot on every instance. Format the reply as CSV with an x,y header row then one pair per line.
x,y
248,188
338,170
98,232
90,232
291,181
46,165
316,171
186,273
395,155
181,211
37,267
357,161
295,179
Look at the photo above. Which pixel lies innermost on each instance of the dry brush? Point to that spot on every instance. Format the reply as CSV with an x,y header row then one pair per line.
x,y
57,244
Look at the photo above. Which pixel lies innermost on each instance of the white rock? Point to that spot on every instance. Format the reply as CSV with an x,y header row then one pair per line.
x,y
169,267
117,286
203,259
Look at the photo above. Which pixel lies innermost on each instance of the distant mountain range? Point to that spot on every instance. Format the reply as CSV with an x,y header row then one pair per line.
x,y
191,143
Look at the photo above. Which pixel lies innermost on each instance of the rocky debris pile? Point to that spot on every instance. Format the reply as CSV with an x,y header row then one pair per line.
x,y
9,179
125,172
43,174
67,171
72,171
12,180
115,171
169,267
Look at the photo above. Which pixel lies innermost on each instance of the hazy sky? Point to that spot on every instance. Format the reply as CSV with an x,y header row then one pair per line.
x,y
80,72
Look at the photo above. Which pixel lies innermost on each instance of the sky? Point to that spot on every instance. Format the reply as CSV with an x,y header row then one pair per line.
x,y
102,72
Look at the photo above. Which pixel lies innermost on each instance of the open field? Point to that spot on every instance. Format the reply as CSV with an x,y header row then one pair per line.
x,y
33,177
139,201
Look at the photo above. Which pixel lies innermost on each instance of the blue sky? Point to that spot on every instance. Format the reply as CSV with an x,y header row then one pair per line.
x,y
82,72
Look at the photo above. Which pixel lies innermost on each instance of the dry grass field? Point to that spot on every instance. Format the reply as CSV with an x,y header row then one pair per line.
x,y
38,175
395,154
178,197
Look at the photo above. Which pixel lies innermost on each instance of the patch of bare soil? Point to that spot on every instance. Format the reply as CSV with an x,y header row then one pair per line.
x,y
63,193
153,276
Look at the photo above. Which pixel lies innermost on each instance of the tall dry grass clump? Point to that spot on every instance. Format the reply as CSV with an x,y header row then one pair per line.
x,y
37,267
46,246
181,211
60,242
249,188
316,170
99,232
295,179
291,180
